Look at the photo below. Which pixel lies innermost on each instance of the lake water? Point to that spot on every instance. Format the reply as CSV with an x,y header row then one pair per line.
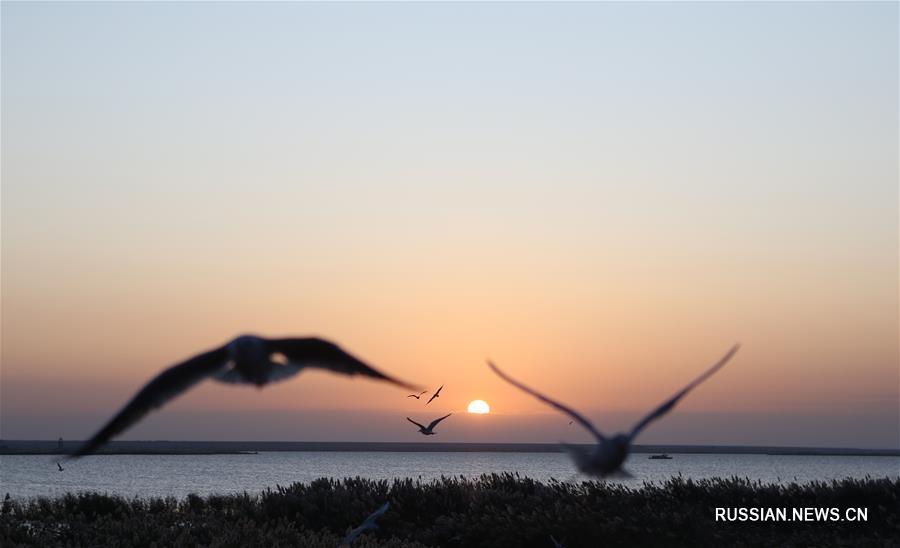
x,y
25,476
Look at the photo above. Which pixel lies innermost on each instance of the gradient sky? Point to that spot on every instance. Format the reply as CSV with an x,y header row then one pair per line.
x,y
600,197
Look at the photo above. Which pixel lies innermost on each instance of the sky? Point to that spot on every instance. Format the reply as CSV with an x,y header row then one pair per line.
x,y
600,197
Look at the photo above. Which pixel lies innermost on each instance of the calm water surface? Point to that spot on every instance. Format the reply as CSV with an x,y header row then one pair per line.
x,y
24,476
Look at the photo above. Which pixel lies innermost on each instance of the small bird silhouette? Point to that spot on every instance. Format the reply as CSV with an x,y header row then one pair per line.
x,y
609,453
366,525
248,359
58,465
436,394
417,396
428,430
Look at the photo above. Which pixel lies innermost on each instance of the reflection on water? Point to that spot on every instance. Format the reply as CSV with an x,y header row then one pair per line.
x,y
177,475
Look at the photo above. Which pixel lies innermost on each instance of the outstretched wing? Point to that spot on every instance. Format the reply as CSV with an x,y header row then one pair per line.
x,y
370,521
166,386
555,404
669,404
436,421
368,524
414,422
352,535
437,392
314,352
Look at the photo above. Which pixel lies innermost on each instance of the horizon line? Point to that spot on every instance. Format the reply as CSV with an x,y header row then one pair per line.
x,y
42,446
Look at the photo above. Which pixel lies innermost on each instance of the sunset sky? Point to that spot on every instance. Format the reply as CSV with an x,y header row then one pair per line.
x,y
602,198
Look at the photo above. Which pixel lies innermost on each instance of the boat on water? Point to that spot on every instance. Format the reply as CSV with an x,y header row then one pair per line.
x,y
663,456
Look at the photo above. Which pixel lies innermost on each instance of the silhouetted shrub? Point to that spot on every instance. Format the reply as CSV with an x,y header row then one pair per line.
x,y
497,510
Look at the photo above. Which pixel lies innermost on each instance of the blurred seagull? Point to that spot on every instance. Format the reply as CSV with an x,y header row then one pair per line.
x,y
428,430
436,394
58,465
245,360
556,543
609,453
366,525
417,396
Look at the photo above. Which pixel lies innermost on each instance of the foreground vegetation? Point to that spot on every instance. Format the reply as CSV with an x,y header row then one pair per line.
x,y
494,510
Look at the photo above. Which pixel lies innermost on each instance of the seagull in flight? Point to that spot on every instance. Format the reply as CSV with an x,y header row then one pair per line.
x,y
248,359
58,465
436,394
428,430
366,525
417,396
608,455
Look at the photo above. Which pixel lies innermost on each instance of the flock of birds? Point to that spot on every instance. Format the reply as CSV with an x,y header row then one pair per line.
x,y
249,359
428,430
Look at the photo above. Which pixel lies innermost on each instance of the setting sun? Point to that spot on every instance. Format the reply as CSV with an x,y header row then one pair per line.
x,y
479,407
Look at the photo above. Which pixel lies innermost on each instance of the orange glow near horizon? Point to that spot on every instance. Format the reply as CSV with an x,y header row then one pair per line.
x,y
601,220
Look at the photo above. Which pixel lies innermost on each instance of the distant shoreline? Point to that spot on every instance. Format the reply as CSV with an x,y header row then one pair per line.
x,y
51,447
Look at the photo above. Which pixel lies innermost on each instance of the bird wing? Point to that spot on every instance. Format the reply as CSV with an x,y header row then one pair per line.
x,y
314,352
366,525
370,521
434,395
414,422
164,387
669,404
351,536
560,407
436,421
413,396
